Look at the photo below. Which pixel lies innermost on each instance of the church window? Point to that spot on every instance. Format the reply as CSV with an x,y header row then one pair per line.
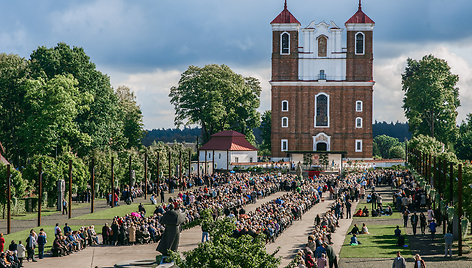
x,y
359,43
322,75
358,122
284,145
284,121
358,146
285,44
322,46
322,110
284,106
358,106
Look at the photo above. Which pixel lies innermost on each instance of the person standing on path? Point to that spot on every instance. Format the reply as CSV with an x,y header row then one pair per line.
x,y
348,209
422,223
332,258
30,245
64,207
21,253
162,196
405,218
2,243
448,239
419,263
41,242
432,228
399,261
414,222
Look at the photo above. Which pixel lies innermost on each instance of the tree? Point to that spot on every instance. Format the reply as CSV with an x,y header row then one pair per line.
x,y
396,152
383,144
14,72
18,185
225,251
431,99
132,117
464,140
102,120
217,99
266,129
51,110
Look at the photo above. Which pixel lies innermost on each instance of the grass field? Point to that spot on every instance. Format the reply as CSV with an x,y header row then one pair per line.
x,y
22,235
380,243
121,210
46,212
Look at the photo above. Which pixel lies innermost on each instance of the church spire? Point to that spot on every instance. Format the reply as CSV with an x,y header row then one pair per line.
x,y
360,5
285,5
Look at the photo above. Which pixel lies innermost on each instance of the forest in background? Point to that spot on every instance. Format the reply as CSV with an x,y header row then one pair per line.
x,y
396,130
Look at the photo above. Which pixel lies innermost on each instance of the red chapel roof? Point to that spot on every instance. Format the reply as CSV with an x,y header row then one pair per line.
x,y
228,140
360,17
285,17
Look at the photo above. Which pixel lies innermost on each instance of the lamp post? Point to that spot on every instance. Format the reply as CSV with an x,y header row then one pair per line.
x,y
8,200
92,186
70,189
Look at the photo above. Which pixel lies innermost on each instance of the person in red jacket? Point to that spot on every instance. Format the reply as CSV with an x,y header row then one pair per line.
x,y
2,243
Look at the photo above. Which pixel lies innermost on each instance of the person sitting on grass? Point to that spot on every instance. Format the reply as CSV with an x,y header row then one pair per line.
x,y
401,241
358,213
364,229
354,241
355,230
398,232
365,212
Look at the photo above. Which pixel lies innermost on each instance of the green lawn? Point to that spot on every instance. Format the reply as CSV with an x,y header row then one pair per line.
x,y
380,243
22,235
110,213
46,212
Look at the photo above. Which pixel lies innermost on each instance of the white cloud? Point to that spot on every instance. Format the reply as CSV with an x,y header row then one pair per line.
x,y
388,96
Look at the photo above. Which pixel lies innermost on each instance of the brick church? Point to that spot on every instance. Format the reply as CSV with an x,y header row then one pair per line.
x,y
322,88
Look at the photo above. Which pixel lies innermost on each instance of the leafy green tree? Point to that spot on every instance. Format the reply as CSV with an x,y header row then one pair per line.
x,y
426,144
18,185
397,151
52,107
431,98
132,117
383,144
224,251
464,141
266,131
102,120
217,99
14,72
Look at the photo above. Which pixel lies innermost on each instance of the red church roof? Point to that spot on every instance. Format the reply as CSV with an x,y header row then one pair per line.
x,y
285,16
360,17
228,140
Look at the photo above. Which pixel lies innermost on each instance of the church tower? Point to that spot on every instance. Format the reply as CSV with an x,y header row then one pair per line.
x,y
360,54
285,46
321,87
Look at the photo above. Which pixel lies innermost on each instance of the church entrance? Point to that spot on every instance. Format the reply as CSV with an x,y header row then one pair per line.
x,y
321,147
321,142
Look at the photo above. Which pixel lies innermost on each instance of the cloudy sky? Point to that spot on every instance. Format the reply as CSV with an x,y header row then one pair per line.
x,y
147,44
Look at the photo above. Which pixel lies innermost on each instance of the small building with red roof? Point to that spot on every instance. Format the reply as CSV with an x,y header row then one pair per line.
x,y
224,148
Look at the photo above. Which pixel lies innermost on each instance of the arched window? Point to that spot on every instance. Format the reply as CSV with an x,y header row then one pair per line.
x,y
322,110
358,146
322,46
285,43
359,43
358,106
284,121
284,106
358,122
284,145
